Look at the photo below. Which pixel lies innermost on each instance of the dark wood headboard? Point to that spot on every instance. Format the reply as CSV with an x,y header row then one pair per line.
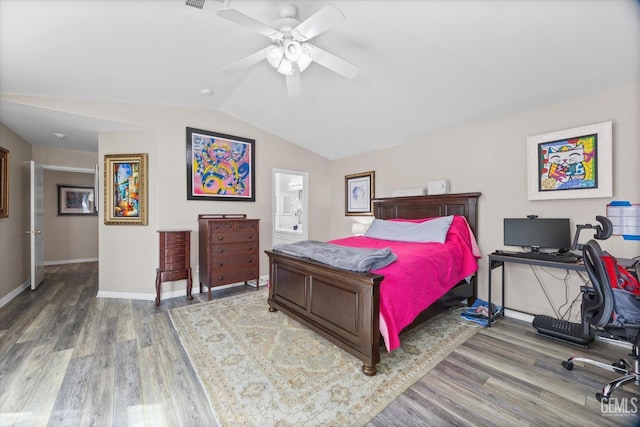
x,y
465,204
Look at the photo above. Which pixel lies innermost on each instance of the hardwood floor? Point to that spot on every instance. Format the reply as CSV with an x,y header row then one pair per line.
x,y
69,358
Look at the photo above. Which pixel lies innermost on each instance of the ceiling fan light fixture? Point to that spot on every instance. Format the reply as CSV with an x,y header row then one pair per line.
x,y
274,56
285,67
303,62
292,50
305,58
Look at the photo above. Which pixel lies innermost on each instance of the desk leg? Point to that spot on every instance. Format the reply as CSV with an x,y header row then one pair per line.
x,y
489,284
493,265
503,306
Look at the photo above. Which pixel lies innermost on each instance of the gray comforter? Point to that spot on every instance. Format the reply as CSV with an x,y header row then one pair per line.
x,y
348,258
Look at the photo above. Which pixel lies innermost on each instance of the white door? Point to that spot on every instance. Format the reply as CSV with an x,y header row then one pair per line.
x,y
36,231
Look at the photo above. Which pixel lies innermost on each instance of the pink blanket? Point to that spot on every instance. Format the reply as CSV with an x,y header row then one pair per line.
x,y
422,274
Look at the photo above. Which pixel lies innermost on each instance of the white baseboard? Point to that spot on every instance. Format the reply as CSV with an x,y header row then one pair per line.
x,y
518,315
170,294
14,293
71,261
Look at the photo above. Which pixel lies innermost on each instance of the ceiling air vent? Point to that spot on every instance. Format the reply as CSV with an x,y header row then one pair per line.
x,y
198,4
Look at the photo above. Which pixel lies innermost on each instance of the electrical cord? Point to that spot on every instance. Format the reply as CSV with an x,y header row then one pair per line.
x,y
544,290
566,315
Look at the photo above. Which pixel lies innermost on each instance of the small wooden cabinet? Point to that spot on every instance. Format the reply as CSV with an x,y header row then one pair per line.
x,y
228,250
175,263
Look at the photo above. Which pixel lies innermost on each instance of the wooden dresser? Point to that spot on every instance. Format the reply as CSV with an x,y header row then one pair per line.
x,y
228,250
175,254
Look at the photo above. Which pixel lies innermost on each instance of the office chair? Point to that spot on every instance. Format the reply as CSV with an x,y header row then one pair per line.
x,y
606,309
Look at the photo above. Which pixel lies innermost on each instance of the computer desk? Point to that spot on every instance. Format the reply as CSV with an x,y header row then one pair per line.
x,y
498,260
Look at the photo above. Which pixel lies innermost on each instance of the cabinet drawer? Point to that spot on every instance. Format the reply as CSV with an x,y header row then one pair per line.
x,y
247,225
172,238
236,236
226,277
234,261
222,226
234,248
175,262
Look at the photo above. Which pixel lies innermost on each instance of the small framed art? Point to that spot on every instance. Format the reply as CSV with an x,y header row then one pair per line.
x,y
4,183
359,193
76,200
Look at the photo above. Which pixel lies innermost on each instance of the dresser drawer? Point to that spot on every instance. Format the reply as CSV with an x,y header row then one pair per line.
x,y
221,262
222,226
246,225
236,236
226,277
224,249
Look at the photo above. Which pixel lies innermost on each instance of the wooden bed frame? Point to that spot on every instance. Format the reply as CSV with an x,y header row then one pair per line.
x,y
343,306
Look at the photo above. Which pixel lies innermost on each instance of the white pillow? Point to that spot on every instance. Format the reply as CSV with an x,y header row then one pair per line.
x,y
434,230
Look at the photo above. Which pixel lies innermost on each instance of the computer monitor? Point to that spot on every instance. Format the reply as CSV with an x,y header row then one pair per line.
x,y
538,233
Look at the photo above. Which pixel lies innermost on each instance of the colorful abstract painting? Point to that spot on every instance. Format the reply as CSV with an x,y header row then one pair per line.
x,y
219,166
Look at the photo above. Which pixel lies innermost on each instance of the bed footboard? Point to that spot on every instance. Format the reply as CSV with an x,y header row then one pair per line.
x,y
342,306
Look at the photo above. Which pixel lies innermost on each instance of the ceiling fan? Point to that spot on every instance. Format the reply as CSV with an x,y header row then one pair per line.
x,y
290,52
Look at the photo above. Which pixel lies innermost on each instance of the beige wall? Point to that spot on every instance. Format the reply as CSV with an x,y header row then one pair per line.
x,y
14,243
67,238
491,158
129,254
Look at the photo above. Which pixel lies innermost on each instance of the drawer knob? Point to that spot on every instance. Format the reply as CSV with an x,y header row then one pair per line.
x,y
220,277
220,237
250,236
220,264
220,250
250,248
249,260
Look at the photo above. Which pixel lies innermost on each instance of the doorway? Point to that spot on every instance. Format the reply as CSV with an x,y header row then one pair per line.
x,y
290,206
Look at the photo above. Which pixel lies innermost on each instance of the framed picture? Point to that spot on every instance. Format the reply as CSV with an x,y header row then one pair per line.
x,y
220,167
572,163
359,193
125,189
4,183
76,200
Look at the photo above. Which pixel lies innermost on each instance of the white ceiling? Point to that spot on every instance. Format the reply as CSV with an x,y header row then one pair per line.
x,y
425,66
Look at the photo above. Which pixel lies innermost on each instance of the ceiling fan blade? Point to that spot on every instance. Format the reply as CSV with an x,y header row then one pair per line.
x,y
332,62
246,62
294,87
319,22
248,22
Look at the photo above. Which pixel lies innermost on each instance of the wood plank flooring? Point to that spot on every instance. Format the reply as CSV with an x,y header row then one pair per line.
x,y
68,358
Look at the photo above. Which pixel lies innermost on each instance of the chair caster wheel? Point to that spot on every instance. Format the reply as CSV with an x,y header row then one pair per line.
x,y
622,364
602,398
567,365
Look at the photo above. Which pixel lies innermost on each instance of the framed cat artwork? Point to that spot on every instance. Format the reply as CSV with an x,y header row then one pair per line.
x,y
570,164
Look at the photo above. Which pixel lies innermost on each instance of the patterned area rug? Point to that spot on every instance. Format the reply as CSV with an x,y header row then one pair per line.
x,y
263,368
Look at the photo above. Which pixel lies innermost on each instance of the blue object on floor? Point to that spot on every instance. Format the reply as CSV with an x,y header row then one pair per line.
x,y
479,310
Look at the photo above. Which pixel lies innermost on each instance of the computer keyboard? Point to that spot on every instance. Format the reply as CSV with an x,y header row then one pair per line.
x,y
543,256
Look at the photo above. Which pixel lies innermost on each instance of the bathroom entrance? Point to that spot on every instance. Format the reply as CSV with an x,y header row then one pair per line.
x,y
290,206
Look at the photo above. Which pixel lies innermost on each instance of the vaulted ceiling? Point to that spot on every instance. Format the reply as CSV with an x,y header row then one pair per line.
x,y
424,66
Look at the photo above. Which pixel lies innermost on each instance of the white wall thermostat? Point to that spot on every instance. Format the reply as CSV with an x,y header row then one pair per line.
x,y
438,187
